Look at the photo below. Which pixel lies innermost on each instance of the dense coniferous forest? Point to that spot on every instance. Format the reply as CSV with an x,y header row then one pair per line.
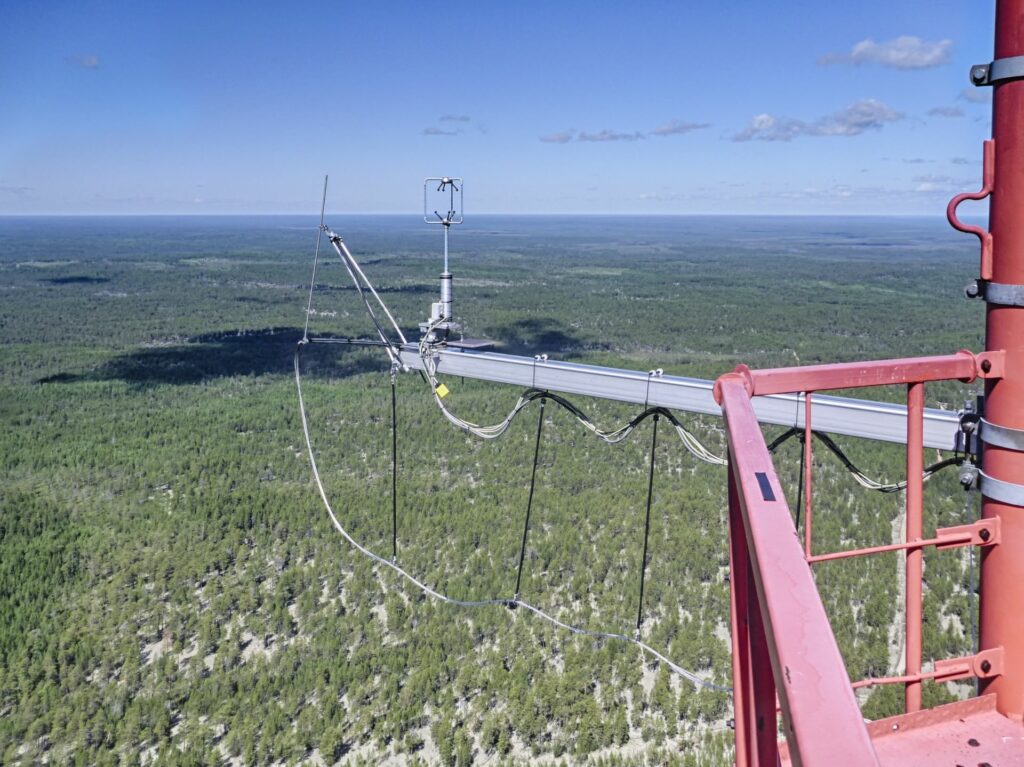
x,y
172,591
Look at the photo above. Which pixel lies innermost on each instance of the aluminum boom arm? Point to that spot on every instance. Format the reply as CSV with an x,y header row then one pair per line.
x,y
836,415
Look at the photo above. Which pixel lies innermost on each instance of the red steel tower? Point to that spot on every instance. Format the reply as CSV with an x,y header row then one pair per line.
x,y
785,657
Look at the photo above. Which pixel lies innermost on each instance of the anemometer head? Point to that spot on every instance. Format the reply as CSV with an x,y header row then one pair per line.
x,y
442,200
442,204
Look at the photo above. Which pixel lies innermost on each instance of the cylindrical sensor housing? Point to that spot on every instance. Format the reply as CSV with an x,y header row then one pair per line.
x,y
446,295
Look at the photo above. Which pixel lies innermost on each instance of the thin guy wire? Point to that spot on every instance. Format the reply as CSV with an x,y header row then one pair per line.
x,y
529,501
394,466
675,668
316,257
389,347
647,527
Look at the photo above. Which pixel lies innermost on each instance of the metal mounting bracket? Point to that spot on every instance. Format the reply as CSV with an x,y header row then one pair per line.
x,y
1001,491
999,71
1001,293
1002,436
984,665
984,532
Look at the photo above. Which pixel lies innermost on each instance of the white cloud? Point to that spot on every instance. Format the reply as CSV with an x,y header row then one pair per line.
x,y
677,127
454,118
904,52
935,183
609,135
946,112
860,116
766,127
562,137
671,128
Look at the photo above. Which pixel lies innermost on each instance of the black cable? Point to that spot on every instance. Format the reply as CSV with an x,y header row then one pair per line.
x,y
800,482
529,501
647,526
861,477
891,488
394,468
775,443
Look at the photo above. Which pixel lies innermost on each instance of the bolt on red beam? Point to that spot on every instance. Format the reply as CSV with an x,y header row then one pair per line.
x,y
822,721
853,375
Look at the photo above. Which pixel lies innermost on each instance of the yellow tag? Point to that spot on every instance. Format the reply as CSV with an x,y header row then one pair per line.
x,y
442,391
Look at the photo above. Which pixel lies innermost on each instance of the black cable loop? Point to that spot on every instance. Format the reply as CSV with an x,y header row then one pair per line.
x,y
529,501
647,527
851,467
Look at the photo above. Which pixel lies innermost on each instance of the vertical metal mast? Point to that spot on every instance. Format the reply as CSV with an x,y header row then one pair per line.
x,y
441,323
1002,567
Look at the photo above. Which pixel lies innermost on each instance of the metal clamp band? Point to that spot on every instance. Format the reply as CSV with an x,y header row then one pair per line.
x,y
1002,491
1000,293
1002,436
999,71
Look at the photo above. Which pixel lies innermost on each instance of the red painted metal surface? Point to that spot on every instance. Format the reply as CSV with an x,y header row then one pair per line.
x,y
741,674
808,459
853,375
1002,567
915,525
777,614
988,182
776,609
784,617
945,538
967,733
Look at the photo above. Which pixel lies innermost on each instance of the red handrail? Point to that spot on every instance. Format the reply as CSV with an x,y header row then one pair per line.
x,y
778,619
782,642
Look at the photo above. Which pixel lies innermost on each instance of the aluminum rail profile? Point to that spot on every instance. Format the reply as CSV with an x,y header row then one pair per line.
x,y
836,415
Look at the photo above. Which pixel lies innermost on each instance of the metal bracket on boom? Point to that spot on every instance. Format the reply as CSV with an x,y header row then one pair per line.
x,y
967,437
1001,491
985,664
999,71
984,532
1002,436
999,293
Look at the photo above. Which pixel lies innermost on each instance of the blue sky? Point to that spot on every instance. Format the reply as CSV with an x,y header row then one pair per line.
x,y
556,107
